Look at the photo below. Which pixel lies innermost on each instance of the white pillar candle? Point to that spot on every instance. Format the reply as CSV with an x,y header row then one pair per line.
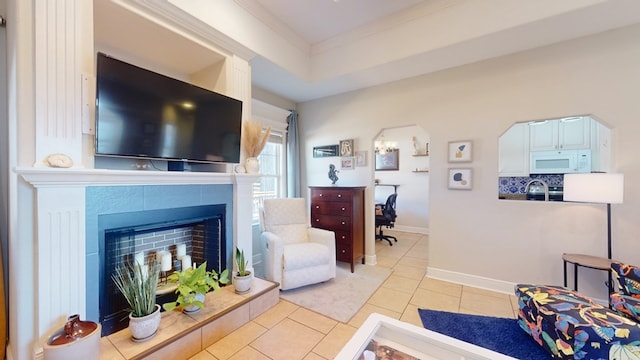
x,y
139,258
159,256
166,261
186,262
181,250
145,272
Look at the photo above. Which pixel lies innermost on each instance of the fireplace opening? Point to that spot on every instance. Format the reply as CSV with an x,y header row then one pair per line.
x,y
163,235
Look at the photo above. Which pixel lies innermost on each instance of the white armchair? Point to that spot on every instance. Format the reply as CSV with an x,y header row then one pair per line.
x,y
294,253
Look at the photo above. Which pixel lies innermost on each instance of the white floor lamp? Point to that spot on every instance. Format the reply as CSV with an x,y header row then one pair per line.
x,y
598,188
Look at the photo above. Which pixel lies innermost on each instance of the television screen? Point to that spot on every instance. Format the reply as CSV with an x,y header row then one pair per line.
x,y
140,113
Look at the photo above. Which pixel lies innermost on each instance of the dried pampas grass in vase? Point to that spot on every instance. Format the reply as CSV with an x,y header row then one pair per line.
x,y
253,141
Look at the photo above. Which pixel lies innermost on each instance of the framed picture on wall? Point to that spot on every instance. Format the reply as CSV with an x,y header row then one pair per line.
x,y
325,151
388,160
361,158
460,179
346,147
348,163
460,151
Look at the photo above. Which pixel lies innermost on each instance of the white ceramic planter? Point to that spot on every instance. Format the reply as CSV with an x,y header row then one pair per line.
x,y
252,166
144,328
242,283
190,309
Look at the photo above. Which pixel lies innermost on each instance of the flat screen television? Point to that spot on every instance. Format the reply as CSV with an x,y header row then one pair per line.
x,y
143,114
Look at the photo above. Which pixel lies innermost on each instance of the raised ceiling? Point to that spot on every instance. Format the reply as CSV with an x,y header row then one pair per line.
x,y
319,20
303,50
488,28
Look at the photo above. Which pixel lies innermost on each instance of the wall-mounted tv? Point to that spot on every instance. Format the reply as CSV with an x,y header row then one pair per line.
x,y
143,114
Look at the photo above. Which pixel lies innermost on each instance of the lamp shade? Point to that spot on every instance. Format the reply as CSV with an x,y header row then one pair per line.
x,y
598,188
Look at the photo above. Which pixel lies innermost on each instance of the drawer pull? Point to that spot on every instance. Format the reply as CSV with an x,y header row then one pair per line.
x,y
343,209
317,220
317,206
339,195
321,195
342,222
344,237
344,251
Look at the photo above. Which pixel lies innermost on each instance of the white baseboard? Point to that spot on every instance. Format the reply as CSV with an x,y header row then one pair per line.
x,y
38,352
370,259
411,229
500,286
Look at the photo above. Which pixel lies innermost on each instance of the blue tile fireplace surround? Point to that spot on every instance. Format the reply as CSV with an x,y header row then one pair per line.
x,y
103,203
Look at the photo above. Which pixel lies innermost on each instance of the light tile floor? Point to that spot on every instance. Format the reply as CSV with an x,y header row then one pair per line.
x,y
288,331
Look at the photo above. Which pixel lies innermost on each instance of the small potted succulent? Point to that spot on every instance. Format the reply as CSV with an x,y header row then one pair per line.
x,y
242,278
193,284
138,285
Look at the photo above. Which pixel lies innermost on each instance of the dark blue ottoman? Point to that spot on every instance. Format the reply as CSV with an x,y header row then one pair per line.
x,y
571,326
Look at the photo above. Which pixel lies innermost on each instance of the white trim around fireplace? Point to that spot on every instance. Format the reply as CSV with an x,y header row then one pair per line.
x,y
59,213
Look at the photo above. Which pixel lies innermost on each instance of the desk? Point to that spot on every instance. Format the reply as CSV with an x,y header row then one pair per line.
x,y
395,191
592,262
395,186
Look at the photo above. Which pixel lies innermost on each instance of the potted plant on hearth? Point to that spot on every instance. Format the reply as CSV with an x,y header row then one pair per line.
x,y
138,285
193,284
242,278
253,141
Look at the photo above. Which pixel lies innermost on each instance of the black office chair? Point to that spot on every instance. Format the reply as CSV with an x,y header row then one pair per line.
x,y
387,218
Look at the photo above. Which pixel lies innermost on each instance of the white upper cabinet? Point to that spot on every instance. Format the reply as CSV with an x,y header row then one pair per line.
x,y
513,156
572,133
543,135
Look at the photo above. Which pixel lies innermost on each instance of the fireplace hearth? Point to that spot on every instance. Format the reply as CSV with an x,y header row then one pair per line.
x,y
200,229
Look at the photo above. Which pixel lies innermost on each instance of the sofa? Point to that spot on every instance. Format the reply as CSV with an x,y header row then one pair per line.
x,y
572,326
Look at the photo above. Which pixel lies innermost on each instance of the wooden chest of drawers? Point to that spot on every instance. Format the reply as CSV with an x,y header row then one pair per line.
x,y
341,210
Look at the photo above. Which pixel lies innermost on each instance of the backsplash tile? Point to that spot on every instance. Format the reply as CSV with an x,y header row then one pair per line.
x,y
517,184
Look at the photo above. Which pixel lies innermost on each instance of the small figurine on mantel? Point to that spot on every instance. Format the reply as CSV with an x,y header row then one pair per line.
x,y
333,174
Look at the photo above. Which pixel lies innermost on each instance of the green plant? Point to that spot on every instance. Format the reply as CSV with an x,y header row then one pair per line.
x,y
195,281
138,288
241,263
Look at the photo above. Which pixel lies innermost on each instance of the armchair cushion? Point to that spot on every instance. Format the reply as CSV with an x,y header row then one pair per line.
x,y
305,255
626,302
625,305
290,234
285,219
628,277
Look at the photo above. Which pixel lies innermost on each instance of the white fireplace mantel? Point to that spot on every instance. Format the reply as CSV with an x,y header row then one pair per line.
x,y
60,177
59,208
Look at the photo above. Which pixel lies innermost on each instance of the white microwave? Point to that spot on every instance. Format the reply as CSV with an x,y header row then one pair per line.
x,y
560,162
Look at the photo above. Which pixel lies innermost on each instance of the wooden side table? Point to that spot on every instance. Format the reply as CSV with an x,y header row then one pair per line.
x,y
588,261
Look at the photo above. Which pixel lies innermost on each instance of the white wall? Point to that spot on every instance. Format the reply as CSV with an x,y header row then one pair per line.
x,y
474,237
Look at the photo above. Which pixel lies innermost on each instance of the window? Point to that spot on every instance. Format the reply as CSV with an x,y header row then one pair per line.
x,y
272,167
